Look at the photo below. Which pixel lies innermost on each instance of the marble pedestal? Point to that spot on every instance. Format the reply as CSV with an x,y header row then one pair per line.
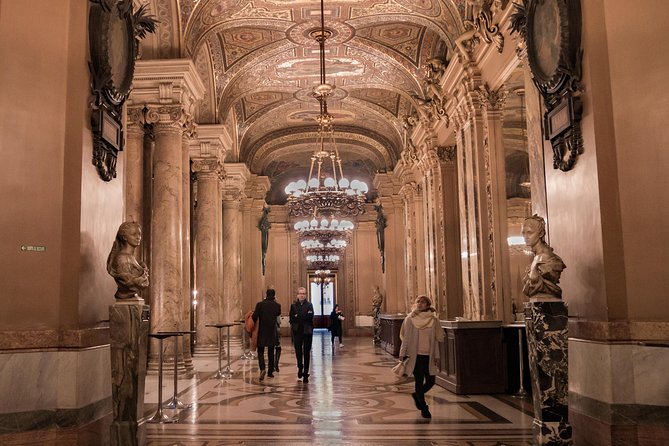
x,y
546,324
128,329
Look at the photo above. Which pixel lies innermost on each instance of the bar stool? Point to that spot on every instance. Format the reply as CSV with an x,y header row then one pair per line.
x,y
175,403
247,353
159,416
227,373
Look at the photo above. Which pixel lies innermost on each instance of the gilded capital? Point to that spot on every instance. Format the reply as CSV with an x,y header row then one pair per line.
x,y
208,168
166,117
491,100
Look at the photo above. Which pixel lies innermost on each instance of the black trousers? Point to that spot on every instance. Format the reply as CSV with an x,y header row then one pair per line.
x,y
302,343
270,357
424,381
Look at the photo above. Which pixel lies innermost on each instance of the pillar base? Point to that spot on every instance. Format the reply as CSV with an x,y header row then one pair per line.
x,y
128,329
553,433
546,325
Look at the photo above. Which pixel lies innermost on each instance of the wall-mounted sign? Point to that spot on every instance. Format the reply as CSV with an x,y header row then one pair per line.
x,y
33,248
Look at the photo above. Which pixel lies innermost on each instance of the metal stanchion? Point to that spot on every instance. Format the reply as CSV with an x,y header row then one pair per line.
x,y
522,393
246,355
159,416
175,403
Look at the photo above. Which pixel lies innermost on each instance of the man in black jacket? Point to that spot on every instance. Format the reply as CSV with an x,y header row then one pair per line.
x,y
302,326
266,312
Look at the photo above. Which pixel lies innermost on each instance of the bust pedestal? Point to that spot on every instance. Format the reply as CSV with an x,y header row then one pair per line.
x,y
128,329
546,325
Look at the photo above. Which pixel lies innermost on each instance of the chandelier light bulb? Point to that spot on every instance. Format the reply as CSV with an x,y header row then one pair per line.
x,y
313,223
330,182
343,183
325,223
301,185
314,183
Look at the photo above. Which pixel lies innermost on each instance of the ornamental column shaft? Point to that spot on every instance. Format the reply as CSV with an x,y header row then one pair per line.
x,y
166,221
209,174
134,165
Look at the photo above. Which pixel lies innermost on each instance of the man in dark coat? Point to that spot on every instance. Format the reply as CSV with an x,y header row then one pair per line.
x,y
302,327
265,315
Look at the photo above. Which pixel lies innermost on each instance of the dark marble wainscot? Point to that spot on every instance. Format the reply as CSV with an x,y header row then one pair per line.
x,y
390,332
546,325
129,329
472,361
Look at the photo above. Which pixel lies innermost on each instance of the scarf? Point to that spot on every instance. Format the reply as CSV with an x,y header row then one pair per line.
x,y
423,319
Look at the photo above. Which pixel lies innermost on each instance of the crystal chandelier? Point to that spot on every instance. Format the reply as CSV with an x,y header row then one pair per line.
x,y
324,230
327,191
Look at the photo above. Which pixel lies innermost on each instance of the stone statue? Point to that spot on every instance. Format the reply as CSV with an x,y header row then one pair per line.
x,y
377,300
130,275
381,225
543,275
264,225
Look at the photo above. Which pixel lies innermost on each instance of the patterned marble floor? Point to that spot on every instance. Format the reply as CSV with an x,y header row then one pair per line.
x,y
352,398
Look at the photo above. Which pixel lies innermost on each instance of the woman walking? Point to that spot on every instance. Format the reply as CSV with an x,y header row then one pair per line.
x,y
335,325
421,333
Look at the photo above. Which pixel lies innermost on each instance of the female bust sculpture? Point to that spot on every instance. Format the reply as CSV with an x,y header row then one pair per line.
x,y
130,275
543,275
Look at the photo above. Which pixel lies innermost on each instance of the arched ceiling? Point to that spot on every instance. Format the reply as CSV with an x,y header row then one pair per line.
x,y
260,66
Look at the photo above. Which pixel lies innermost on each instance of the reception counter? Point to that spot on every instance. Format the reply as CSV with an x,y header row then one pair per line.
x,y
472,359
390,332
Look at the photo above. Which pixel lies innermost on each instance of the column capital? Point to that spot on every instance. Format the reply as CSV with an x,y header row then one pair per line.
x,y
236,176
491,100
135,119
208,168
447,154
257,187
166,118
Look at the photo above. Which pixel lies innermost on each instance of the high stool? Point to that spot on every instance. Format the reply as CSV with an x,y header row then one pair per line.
x,y
159,416
227,373
175,403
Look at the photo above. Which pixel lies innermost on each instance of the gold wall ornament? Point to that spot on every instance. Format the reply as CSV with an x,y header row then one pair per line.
x,y
552,34
114,33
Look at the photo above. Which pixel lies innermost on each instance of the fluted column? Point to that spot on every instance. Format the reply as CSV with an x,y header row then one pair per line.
x,y
209,175
414,260
166,222
134,164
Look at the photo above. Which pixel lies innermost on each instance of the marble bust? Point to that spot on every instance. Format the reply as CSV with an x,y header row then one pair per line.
x,y
543,275
130,275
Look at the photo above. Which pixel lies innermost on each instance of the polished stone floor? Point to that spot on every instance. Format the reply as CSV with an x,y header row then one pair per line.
x,y
352,398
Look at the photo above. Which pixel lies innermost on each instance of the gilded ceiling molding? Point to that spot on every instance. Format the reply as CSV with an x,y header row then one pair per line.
x,y
207,107
169,42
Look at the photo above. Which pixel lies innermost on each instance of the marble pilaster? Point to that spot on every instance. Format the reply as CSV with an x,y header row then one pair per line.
x,y
209,174
477,258
128,329
186,243
546,324
134,164
410,194
253,280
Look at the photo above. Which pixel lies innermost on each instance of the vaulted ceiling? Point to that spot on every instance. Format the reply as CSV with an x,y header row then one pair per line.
x,y
260,65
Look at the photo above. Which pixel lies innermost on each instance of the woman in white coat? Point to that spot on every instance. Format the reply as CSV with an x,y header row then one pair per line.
x,y
421,333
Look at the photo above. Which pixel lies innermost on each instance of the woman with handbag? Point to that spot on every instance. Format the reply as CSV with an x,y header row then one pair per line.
x,y
335,325
421,334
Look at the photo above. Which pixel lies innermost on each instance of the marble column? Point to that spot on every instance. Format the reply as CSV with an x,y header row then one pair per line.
x,y
209,173
128,332
134,164
186,243
409,193
166,224
232,249
546,325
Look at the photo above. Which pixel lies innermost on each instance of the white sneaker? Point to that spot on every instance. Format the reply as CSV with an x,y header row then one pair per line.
x,y
341,345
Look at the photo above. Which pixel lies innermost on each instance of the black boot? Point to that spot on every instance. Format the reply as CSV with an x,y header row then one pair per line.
x,y
277,355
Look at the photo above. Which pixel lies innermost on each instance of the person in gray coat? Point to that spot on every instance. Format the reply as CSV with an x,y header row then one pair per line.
x,y
265,314
421,334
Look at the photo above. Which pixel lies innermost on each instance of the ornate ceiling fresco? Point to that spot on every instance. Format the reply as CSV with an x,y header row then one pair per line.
x,y
260,65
